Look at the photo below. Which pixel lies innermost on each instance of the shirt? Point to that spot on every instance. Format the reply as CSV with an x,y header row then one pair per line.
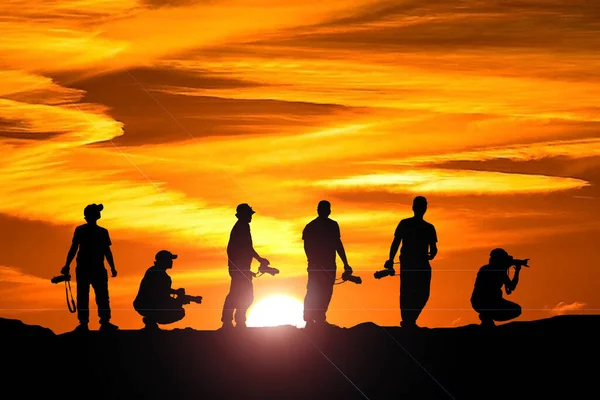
x,y
489,282
93,241
322,238
155,289
416,235
239,249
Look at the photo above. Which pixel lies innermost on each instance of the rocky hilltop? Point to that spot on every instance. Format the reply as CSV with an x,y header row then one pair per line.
x,y
520,360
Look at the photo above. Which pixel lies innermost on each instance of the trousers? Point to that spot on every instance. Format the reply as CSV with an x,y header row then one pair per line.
x,y
239,298
97,278
319,290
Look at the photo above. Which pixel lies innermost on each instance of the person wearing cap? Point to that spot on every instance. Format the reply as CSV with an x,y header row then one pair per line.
x,y
419,246
486,298
154,301
240,253
322,244
91,243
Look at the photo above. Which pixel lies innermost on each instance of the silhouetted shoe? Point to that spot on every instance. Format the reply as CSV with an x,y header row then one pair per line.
x,y
487,323
227,326
409,325
151,327
108,327
310,325
81,328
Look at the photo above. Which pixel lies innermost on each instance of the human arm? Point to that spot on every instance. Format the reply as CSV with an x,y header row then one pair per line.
x,y
110,260
433,244
389,264
342,253
259,258
432,250
70,256
511,284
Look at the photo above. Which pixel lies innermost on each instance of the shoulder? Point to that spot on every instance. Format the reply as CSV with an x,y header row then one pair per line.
x,y
312,223
239,226
404,222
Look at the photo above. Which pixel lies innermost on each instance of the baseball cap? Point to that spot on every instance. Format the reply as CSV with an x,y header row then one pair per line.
x,y
499,254
244,209
165,255
92,209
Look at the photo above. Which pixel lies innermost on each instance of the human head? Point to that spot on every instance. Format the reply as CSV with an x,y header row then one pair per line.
x,y
164,259
244,212
499,256
91,212
324,208
419,206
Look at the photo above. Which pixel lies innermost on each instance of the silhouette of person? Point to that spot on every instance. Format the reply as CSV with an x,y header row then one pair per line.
x,y
91,243
154,301
322,243
240,252
487,298
419,246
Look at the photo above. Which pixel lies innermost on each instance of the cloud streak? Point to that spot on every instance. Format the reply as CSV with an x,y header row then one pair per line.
x,y
457,182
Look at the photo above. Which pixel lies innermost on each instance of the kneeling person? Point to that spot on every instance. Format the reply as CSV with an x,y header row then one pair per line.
x,y
486,298
154,300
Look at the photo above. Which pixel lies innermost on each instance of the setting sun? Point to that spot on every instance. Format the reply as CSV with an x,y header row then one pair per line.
x,y
277,310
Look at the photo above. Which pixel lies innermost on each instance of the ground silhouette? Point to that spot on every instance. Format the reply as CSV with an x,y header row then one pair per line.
x,y
517,360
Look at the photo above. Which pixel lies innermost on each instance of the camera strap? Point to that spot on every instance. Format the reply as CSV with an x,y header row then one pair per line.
x,y
70,304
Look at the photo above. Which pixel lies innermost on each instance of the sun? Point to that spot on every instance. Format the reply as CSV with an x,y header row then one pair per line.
x,y
277,310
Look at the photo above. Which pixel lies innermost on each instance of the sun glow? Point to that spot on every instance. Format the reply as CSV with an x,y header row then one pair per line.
x,y
277,310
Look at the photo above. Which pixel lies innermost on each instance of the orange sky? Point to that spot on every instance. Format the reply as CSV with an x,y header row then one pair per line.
x,y
170,113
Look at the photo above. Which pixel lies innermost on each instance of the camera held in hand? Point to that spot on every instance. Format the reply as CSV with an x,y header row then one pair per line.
x,y
61,278
347,276
383,273
387,271
520,263
187,299
265,269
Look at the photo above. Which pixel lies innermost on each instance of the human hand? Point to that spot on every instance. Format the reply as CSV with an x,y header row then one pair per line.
x,y
113,272
264,261
65,270
389,264
348,269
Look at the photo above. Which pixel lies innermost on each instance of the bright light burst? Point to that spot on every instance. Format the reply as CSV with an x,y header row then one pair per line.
x,y
277,310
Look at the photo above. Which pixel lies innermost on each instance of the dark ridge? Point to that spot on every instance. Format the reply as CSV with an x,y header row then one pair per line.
x,y
518,360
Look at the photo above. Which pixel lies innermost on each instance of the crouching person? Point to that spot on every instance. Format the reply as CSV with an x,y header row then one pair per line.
x,y
155,301
487,299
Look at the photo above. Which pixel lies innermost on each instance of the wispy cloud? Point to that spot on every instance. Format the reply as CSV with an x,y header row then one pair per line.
x,y
455,182
563,308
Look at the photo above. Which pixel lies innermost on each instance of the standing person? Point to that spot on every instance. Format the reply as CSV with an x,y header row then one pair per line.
x,y
91,243
240,252
322,243
419,246
487,298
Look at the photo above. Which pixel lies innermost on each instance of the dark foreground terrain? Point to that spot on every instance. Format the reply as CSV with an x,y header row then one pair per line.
x,y
519,360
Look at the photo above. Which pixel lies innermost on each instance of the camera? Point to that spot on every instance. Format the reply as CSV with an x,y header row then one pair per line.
x,y
520,263
265,269
187,299
384,272
347,276
61,278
